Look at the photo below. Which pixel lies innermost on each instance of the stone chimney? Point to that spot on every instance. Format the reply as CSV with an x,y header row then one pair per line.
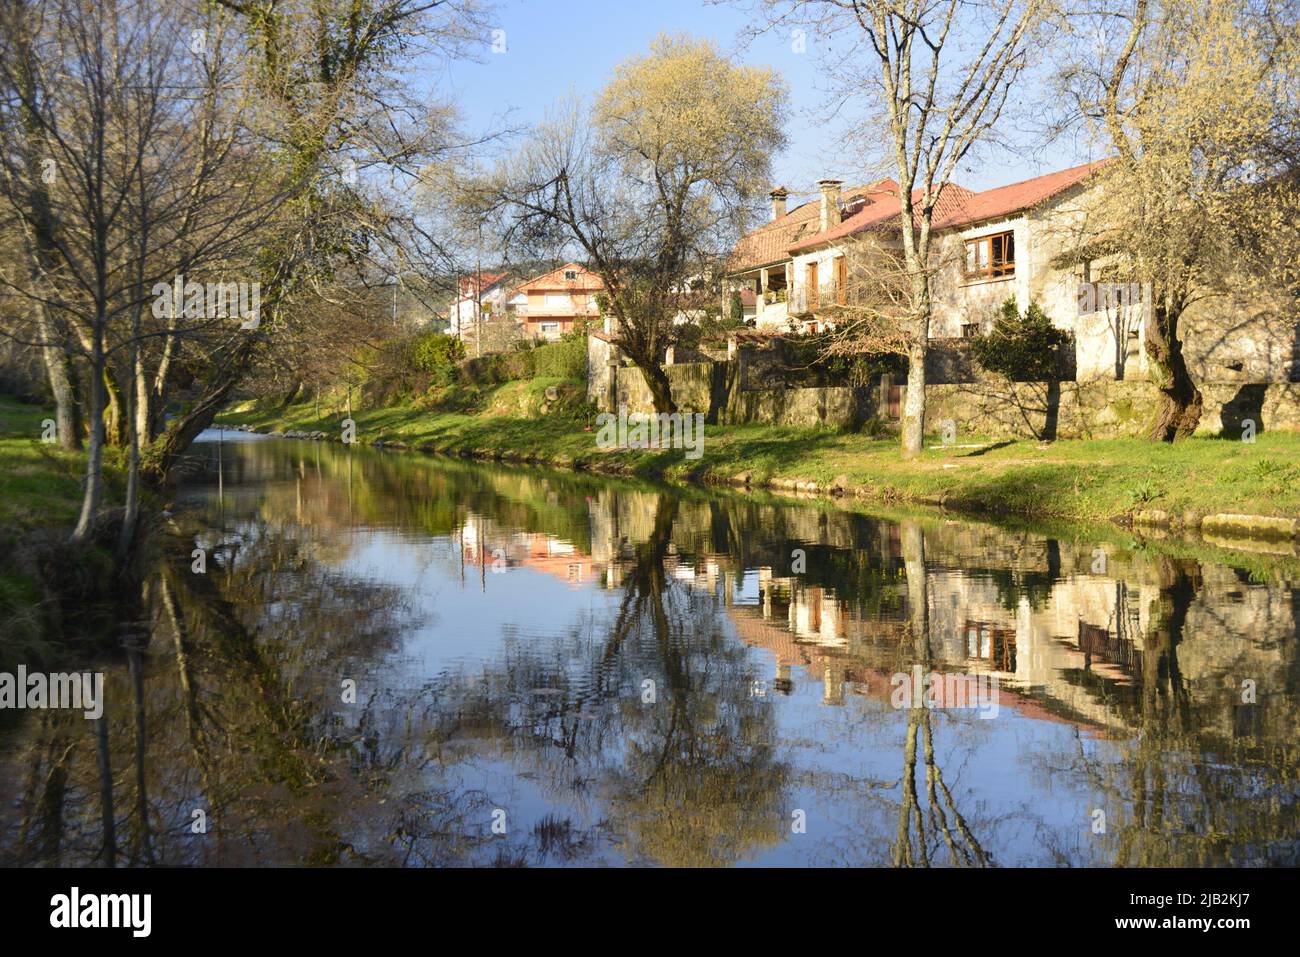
x,y
830,202
778,201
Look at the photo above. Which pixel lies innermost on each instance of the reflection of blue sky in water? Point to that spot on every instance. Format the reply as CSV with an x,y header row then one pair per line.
x,y
1023,785
987,761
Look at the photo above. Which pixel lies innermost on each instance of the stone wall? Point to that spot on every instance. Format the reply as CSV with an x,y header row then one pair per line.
x,y
704,387
602,355
1101,409
989,407
841,407
693,385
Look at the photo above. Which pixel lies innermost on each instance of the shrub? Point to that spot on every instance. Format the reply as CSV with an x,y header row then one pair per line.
x,y
711,326
1024,347
500,367
807,360
437,354
566,359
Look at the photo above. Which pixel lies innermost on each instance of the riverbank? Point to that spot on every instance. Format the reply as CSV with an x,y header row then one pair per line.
x,y
40,484
50,593
1218,486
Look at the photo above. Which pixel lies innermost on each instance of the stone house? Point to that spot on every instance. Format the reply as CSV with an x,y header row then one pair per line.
x,y
1017,241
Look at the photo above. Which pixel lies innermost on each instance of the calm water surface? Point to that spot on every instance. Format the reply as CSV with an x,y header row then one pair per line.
x,y
400,660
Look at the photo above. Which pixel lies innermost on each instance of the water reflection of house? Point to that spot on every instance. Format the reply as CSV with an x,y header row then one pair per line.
x,y
1028,609
865,662
811,628
481,543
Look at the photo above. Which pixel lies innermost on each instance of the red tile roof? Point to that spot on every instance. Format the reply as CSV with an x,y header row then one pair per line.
x,y
771,242
956,206
882,208
485,281
1004,200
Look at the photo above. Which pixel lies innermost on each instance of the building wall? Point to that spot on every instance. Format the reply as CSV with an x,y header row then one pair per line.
x,y
556,309
463,313
825,261
1225,339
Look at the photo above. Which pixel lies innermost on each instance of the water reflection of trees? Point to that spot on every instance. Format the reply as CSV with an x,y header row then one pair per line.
x,y
214,712
917,829
233,706
688,778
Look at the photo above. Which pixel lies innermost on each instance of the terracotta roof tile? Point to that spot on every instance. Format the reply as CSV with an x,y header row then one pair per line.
x,y
771,242
1004,200
956,206
486,279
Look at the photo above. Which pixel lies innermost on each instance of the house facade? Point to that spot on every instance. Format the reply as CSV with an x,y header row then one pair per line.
x,y
479,297
1018,241
549,305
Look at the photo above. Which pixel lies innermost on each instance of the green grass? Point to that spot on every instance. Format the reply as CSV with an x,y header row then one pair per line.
x,y
40,484
1085,481
40,494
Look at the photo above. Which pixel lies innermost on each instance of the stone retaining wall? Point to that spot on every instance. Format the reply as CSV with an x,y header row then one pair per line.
x,y
1101,409
988,407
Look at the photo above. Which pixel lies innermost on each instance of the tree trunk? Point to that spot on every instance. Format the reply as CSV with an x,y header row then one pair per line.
x,y
158,391
1180,402
143,413
661,389
292,394
176,439
115,411
137,431
916,251
58,370
913,424
93,489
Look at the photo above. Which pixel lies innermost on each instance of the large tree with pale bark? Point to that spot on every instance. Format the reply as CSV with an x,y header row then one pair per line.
x,y
935,76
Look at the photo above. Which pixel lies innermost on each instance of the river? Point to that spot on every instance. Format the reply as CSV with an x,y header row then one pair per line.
x,y
360,657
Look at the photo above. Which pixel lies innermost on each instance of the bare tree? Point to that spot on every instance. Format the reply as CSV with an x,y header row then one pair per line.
x,y
143,183
331,73
1198,99
939,73
650,186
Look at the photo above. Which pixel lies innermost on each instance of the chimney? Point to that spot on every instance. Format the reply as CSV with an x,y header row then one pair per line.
x,y
830,202
778,201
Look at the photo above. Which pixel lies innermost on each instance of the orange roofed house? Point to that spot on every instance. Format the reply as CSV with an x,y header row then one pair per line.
x,y
551,304
1017,241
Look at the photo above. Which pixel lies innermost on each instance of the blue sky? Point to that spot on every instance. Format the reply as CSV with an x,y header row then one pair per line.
x,y
555,48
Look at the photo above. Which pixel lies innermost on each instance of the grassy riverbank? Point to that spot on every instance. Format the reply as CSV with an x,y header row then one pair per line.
x,y
46,587
40,484
1086,481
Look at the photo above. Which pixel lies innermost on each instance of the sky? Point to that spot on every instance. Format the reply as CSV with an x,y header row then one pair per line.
x,y
558,48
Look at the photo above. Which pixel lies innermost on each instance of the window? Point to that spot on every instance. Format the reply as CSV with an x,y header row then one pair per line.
x,y
812,285
558,299
570,274
841,280
991,257
969,330
548,327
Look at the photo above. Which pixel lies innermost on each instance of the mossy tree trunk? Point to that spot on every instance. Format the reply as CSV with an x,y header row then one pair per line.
x,y
1179,403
